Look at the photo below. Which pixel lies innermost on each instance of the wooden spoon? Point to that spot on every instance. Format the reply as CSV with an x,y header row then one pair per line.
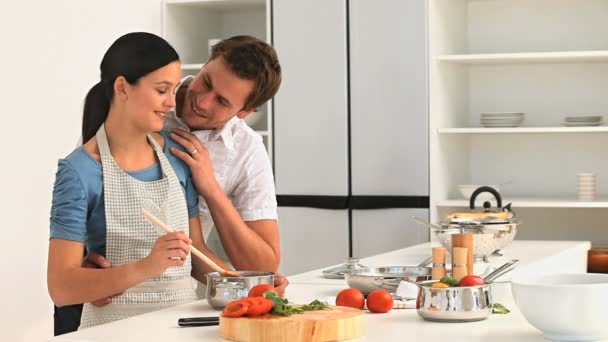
x,y
155,221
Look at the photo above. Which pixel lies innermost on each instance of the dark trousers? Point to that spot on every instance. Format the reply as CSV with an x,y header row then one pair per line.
x,y
67,318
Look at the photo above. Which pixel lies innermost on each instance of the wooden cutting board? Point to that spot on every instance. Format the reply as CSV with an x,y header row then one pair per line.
x,y
338,323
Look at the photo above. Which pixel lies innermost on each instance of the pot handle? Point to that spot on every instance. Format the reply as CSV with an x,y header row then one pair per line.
x,y
507,267
486,204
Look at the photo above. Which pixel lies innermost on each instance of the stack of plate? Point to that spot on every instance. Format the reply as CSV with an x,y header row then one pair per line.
x,y
577,121
503,119
586,186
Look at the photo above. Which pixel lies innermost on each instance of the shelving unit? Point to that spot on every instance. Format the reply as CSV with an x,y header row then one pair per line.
x,y
545,58
528,58
531,202
189,25
523,130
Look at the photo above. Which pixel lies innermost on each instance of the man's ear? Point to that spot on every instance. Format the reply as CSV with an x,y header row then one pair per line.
x,y
243,113
120,88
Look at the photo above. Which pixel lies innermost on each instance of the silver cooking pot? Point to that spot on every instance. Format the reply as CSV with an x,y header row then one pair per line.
x,y
458,304
221,290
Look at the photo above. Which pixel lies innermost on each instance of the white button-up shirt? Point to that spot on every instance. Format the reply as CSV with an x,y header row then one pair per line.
x,y
242,169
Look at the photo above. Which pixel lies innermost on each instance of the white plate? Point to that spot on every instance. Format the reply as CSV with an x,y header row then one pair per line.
x,y
502,114
500,121
581,124
501,125
583,118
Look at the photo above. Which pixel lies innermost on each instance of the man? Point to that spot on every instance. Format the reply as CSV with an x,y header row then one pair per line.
x,y
230,166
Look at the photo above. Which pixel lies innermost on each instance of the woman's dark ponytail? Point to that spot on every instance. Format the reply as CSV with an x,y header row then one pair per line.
x,y
131,56
95,112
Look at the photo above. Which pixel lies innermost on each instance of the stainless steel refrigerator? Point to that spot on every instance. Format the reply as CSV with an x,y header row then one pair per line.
x,y
350,128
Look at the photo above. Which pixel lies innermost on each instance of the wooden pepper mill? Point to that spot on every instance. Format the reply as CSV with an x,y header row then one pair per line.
x,y
466,241
459,262
438,270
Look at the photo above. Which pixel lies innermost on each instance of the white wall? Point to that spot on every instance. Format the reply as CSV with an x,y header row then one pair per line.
x,y
49,58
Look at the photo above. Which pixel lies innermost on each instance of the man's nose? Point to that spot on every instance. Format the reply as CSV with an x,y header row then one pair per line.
x,y
203,100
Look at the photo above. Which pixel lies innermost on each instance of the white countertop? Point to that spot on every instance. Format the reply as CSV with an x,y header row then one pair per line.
x,y
398,324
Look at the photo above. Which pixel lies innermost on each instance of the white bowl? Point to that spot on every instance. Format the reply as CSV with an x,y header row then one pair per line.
x,y
466,190
565,307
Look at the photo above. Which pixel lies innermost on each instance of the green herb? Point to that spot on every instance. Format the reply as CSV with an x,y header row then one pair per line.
x,y
500,309
449,280
315,305
281,307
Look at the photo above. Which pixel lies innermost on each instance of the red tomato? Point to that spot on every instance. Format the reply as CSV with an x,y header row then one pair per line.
x,y
471,280
258,290
258,306
236,308
379,301
351,297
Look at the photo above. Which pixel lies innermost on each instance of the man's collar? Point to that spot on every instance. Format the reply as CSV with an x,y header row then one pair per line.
x,y
225,133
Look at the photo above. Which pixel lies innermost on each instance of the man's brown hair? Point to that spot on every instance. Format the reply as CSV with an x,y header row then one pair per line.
x,y
252,59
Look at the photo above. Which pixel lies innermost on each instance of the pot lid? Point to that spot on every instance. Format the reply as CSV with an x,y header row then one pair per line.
x,y
484,216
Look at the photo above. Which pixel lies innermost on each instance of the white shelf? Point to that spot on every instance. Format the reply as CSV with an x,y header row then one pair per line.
x,y
540,202
527,57
517,130
220,4
192,66
262,133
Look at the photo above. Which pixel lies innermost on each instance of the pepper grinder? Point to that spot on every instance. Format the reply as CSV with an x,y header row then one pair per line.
x,y
438,270
459,262
466,241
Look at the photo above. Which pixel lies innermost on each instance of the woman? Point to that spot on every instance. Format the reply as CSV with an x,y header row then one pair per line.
x,y
101,187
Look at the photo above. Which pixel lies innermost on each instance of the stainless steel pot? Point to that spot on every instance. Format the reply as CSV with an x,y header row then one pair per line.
x,y
221,290
458,304
387,278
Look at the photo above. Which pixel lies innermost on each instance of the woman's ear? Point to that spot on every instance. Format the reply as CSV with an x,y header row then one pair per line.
x,y
120,88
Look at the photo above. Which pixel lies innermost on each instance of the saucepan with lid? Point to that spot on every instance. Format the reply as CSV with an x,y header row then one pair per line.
x,y
460,303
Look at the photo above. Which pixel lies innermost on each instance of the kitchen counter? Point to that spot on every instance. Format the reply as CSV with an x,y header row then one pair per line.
x,y
535,256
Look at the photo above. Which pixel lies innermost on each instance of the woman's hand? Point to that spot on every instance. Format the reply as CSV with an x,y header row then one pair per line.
x,y
280,284
169,250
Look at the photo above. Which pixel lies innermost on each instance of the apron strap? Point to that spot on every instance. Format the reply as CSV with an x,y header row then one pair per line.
x,y
102,141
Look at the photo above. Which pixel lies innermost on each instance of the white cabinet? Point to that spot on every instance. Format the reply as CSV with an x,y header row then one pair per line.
x,y
377,231
351,118
189,25
545,58
314,238
311,105
388,96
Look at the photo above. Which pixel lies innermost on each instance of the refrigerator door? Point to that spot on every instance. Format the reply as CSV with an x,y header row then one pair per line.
x,y
312,238
310,108
381,230
389,97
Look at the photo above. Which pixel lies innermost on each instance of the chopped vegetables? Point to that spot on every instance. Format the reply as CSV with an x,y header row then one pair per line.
x,y
449,281
500,309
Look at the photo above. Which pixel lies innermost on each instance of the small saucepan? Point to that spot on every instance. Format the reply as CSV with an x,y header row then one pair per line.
x,y
458,304
221,289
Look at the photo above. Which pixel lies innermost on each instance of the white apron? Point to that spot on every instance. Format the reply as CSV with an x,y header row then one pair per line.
x,y
129,237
